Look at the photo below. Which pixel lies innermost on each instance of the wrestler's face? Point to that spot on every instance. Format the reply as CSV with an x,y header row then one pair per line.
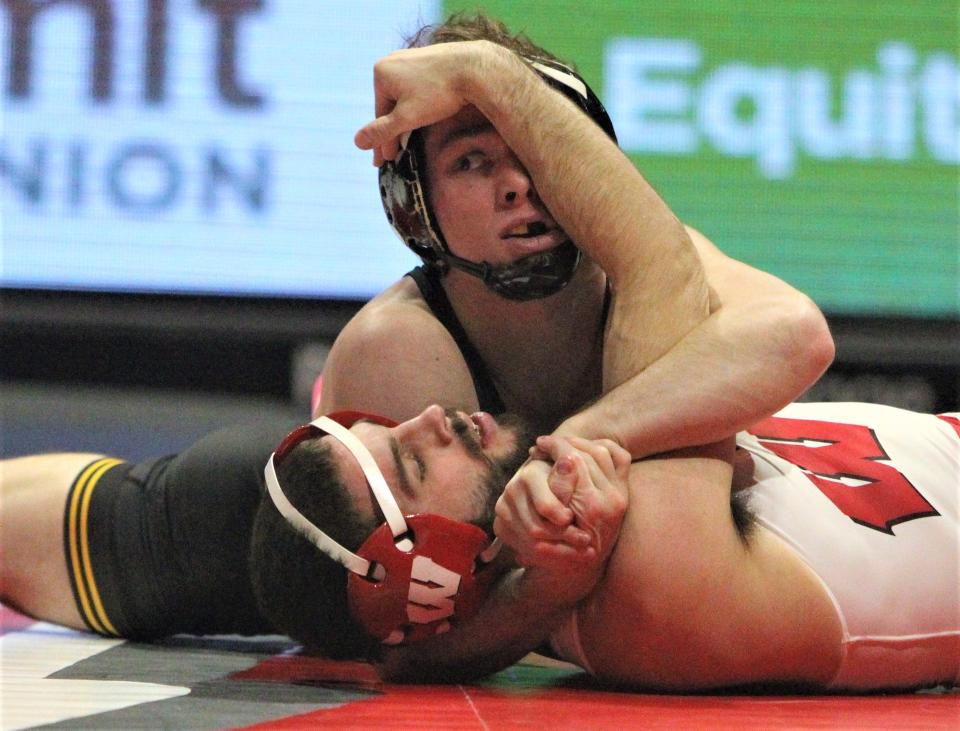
x,y
481,195
441,462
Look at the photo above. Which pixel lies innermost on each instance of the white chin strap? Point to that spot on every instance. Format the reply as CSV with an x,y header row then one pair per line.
x,y
381,491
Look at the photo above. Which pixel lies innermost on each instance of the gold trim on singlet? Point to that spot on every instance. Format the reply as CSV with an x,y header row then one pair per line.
x,y
78,547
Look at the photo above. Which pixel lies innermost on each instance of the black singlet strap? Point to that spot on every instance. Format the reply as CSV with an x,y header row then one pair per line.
x,y
428,281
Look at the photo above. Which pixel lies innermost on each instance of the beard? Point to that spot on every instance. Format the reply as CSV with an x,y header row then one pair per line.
x,y
501,469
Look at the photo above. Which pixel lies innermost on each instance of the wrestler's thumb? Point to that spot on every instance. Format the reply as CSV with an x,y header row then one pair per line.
x,y
563,479
375,133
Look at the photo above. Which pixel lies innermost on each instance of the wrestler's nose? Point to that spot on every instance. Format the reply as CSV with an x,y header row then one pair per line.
x,y
515,185
432,423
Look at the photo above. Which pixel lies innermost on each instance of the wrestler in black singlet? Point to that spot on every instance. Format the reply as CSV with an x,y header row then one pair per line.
x,y
428,282
163,546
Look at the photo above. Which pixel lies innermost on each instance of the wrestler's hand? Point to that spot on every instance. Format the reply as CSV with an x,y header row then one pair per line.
x,y
532,517
416,87
600,495
588,479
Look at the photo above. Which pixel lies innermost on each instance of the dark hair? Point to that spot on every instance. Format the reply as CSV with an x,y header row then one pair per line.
x,y
464,26
302,592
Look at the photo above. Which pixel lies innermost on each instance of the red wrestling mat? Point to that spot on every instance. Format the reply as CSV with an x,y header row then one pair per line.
x,y
63,679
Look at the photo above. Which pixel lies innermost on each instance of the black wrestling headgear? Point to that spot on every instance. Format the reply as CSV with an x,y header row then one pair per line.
x,y
408,210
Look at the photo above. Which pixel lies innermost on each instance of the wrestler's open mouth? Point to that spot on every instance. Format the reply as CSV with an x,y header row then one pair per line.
x,y
485,426
531,237
527,230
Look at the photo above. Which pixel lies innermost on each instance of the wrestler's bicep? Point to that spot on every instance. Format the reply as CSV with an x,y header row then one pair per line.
x,y
719,606
677,554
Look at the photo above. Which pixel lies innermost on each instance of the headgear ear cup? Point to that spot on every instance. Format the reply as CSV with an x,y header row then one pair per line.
x,y
443,579
404,198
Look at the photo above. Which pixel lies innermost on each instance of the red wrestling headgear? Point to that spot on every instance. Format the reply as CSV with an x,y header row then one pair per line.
x,y
413,574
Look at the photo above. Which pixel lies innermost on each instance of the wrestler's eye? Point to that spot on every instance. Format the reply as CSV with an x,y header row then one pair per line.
x,y
418,463
421,467
471,161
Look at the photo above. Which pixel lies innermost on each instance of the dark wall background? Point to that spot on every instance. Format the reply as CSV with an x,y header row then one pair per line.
x,y
140,375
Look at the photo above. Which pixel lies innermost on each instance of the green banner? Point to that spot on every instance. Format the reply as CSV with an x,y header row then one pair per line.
x,y
816,140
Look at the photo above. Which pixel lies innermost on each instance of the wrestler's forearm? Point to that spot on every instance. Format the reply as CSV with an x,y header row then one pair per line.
x,y
516,619
601,200
763,347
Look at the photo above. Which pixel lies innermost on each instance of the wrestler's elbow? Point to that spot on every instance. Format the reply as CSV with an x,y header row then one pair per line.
x,y
809,347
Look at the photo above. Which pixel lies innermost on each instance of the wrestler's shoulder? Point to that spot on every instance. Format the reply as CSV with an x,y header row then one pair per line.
x,y
397,318
393,358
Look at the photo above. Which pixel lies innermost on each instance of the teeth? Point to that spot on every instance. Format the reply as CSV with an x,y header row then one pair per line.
x,y
476,427
532,229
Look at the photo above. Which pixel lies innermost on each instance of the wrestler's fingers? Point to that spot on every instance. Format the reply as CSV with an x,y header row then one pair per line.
x,y
525,522
382,132
536,453
593,468
548,496
548,507
599,504
554,447
571,469
613,460
390,150
617,453
381,152
528,551
364,138
518,515
575,536
384,104
512,513
518,523
597,451
622,459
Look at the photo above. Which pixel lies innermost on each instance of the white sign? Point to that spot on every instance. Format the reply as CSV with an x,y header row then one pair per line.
x,y
900,106
200,146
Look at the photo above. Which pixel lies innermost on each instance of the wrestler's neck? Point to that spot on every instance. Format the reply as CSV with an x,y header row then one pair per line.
x,y
488,317
541,351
